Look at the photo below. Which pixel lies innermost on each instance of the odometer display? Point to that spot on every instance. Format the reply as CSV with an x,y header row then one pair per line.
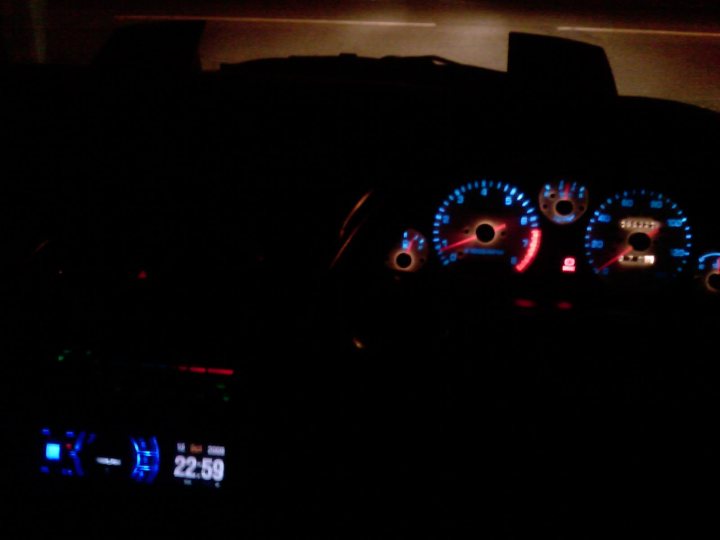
x,y
638,230
488,221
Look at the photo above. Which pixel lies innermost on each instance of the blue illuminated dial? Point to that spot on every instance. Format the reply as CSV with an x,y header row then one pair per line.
x,y
487,220
638,230
410,253
563,202
709,271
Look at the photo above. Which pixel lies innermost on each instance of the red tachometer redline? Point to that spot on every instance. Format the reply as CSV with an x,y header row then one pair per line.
x,y
532,252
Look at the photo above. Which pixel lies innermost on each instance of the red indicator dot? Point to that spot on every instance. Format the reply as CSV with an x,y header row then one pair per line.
x,y
142,274
564,306
524,303
68,446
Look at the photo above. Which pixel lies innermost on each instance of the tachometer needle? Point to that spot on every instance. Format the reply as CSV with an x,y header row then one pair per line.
x,y
496,229
625,251
469,240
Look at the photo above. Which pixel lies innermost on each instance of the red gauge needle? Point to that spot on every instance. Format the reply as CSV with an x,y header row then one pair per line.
x,y
717,264
625,251
567,191
469,240
409,247
616,258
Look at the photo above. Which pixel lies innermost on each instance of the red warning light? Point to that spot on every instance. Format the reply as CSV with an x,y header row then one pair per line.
x,y
207,370
569,265
220,371
142,274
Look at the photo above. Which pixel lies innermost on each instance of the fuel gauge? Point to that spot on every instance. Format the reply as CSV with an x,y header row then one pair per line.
x,y
563,202
709,271
410,254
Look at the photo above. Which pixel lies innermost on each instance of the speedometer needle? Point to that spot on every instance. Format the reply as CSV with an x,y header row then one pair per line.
x,y
615,259
625,251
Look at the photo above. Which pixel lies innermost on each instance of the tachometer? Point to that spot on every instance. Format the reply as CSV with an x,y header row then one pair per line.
x,y
638,230
488,221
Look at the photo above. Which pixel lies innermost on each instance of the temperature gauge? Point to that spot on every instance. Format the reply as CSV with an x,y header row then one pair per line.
x,y
709,271
563,202
410,254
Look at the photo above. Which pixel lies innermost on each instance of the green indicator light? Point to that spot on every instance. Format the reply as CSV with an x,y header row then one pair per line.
x,y
61,358
226,399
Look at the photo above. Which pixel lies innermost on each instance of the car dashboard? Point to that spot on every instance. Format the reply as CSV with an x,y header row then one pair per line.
x,y
357,296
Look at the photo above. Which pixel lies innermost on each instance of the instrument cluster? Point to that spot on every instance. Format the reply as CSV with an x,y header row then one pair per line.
x,y
489,226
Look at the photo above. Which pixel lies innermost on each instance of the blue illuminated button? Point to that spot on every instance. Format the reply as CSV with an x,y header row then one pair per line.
x,y
52,452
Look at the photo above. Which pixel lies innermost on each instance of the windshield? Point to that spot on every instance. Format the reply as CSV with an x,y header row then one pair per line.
x,y
657,48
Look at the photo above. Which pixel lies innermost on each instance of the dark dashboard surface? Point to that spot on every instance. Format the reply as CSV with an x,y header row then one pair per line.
x,y
307,296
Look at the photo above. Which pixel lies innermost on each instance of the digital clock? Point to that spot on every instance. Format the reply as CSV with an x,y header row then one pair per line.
x,y
199,463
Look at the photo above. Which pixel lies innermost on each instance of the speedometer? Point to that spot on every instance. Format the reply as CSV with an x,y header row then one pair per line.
x,y
638,230
488,221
